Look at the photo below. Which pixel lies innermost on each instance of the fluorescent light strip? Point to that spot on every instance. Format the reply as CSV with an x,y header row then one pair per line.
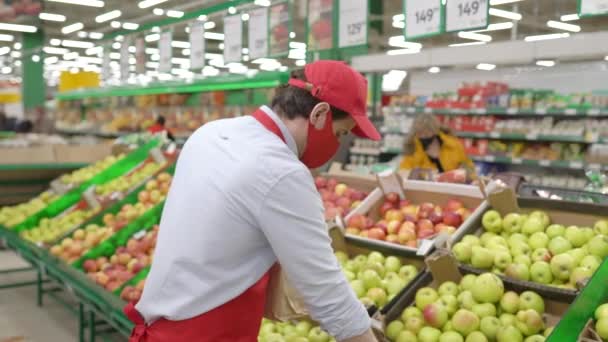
x,y
130,26
569,17
72,28
502,2
180,44
4,50
399,17
55,42
77,44
6,37
51,17
475,36
55,50
18,28
214,36
149,3
158,11
402,52
175,14
546,37
152,37
108,16
545,63
496,27
434,70
115,24
95,35
485,66
94,51
264,3
505,14
398,24
466,44
51,60
209,25
90,3
563,26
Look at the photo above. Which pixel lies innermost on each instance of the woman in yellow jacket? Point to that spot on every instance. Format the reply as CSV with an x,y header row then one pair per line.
x,y
430,147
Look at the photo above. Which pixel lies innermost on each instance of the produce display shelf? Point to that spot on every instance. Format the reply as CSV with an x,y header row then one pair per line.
x,y
534,191
93,132
502,111
558,164
530,137
45,166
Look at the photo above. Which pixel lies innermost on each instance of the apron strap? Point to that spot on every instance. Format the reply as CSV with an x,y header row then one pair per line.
x,y
139,331
267,122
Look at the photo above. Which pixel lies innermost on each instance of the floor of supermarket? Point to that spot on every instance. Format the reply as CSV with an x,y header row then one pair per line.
x,y
19,315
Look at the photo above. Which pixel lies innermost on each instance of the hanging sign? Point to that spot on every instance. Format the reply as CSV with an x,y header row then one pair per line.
x,y
197,45
353,23
423,18
320,24
140,55
466,15
165,51
124,59
279,29
258,33
233,38
592,7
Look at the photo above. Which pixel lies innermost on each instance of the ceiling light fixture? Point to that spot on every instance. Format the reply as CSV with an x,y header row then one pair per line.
x,y
90,3
115,24
563,26
175,14
545,63
505,14
475,36
485,66
55,50
264,3
301,62
51,17
130,26
399,41
180,44
214,36
158,11
72,28
94,51
434,70
497,27
55,42
18,28
569,17
152,37
209,25
17,46
51,60
402,52
95,35
546,37
149,3
399,17
77,44
466,44
7,37
502,2
398,24
4,50
231,10
245,16
108,16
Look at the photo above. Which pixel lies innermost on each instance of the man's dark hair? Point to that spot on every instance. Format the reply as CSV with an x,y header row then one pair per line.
x,y
294,102
160,120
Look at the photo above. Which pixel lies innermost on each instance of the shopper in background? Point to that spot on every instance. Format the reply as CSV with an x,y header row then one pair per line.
x,y
429,146
159,127
243,199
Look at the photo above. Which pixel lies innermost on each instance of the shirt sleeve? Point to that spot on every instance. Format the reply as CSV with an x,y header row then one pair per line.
x,y
291,218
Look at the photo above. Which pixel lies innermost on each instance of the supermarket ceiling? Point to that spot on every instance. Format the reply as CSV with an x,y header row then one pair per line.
x,y
92,21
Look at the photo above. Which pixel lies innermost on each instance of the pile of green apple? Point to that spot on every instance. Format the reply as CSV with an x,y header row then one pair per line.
x,y
530,248
122,184
84,174
601,321
50,229
13,215
303,331
376,279
476,310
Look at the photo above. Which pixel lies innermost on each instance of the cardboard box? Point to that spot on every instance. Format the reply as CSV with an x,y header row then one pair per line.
x,y
441,268
417,192
28,155
81,153
561,212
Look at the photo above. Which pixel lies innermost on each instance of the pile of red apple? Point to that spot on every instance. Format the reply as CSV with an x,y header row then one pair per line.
x,y
338,198
72,248
133,293
402,222
126,262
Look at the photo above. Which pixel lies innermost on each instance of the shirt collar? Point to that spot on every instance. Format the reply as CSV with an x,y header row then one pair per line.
x,y
291,143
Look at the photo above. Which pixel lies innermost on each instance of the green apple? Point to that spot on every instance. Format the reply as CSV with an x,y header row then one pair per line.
x,y
591,262
408,272
489,327
350,276
462,252
601,227
541,254
507,319
448,288
375,257
376,266
466,300
542,216
451,336
532,225
522,259
393,329
540,272
578,254
588,233
535,338
447,326
303,328
559,245
502,259
518,271
358,287
601,327
411,311
392,264
341,256
520,248
359,261
467,282
496,241
406,336
378,296
394,283
575,235
465,322
267,328
484,310
598,246
491,221
485,237
429,334
529,322
371,279
488,288
318,335
531,300
580,274
538,240
482,257
450,302
509,334
601,311
425,296
435,315
562,265
274,337
555,230
414,324
548,331
512,223
517,237
509,302
476,336
289,331
471,240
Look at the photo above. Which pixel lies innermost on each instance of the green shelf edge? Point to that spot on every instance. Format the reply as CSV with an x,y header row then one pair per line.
x,y
560,164
525,137
503,111
45,166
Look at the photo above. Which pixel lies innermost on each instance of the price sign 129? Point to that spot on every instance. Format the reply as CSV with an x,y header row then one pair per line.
x,y
466,15
422,18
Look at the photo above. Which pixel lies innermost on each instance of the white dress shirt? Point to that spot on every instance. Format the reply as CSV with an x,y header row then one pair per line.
x,y
241,199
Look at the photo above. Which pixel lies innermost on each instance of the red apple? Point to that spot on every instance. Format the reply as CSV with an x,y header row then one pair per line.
x,y
410,210
408,224
425,233
392,238
357,195
143,196
393,227
320,182
452,219
357,221
343,202
386,206
376,234
393,198
427,206
90,265
406,234
352,231
444,228
381,224
394,214
453,205
412,243
331,184
404,203
436,217
424,224
410,218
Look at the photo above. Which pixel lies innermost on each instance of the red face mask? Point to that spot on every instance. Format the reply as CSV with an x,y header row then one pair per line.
x,y
321,145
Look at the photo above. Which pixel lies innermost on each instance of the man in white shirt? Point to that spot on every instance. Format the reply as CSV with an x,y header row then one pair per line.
x,y
243,199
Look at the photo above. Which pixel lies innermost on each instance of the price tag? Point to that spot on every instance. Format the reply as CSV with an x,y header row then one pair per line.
x,y
139,235
512,111
516,161
353,23
570,111
466,14
258,33
593,112
197,45
165,51
158,156
593,7
171,148
576,165
540,111
89,197
233,38
422,18
544,162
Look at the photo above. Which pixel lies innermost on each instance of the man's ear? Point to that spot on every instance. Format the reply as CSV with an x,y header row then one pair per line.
x,y
319,113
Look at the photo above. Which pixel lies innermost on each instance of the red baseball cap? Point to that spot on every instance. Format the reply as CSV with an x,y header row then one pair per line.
x,y
343,87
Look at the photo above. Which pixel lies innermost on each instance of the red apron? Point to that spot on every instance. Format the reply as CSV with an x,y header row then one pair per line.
x,y
235,321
